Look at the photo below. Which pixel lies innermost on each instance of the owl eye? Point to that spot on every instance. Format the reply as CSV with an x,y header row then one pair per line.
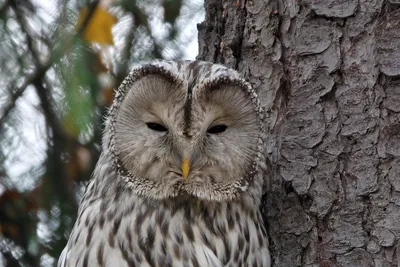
x,y
156,127
217,129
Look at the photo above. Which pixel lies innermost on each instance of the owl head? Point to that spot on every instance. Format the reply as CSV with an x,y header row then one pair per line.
x,y
185,128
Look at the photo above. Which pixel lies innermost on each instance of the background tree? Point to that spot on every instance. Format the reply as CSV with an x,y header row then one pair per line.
x,y
328,74
59,63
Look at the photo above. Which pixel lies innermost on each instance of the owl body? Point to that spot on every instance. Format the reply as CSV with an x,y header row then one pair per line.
x,y
179,180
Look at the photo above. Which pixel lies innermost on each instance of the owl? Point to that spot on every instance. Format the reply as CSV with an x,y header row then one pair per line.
x,y
180,177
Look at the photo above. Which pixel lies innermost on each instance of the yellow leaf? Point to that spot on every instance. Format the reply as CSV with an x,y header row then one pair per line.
x,y
98,29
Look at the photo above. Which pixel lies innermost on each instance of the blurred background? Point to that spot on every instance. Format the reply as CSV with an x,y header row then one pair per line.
x,y
60,62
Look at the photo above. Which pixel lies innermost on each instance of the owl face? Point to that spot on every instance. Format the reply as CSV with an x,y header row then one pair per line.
x,y
186,128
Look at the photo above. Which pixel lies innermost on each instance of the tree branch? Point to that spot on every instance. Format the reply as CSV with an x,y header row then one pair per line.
x,y
41,69
4,7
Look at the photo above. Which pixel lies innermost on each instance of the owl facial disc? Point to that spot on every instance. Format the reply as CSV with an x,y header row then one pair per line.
x,y
163,111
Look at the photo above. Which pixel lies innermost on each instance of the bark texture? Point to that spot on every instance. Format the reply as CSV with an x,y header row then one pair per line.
x,y
328,73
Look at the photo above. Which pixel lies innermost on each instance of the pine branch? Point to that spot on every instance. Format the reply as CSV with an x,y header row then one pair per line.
x,y
61,142
41,68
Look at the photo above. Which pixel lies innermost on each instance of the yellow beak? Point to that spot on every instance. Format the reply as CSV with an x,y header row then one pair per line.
x,y
185,168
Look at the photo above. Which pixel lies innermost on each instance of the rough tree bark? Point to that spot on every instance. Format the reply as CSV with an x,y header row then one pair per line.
x,y
328,73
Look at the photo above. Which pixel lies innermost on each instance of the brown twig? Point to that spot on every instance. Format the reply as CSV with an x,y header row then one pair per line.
x,y
4,7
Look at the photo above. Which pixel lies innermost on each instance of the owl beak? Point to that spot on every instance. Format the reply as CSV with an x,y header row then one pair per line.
x,y
185,168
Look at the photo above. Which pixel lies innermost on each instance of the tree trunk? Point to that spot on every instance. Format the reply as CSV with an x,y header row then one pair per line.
x,y
328,74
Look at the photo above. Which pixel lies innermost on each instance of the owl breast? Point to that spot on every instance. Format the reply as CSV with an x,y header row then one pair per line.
x,y
168,234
